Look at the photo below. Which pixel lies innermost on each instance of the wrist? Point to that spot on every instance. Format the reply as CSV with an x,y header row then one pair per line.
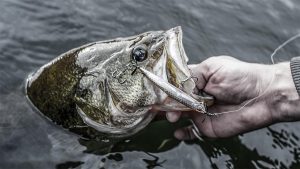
x,y
284,101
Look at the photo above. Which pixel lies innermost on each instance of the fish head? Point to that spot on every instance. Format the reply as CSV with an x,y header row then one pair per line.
x,y
117,96
102,83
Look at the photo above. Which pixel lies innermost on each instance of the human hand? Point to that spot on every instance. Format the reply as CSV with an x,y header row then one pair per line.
x,y
269,89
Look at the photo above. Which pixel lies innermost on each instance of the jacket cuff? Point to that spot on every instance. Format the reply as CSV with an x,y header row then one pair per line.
x,y
295,69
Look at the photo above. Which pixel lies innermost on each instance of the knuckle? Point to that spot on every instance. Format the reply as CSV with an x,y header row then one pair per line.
x,y
225,57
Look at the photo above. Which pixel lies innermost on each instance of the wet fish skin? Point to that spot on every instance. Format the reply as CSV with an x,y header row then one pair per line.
x,y
79,89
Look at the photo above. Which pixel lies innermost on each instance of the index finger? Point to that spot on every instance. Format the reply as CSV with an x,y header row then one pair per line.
x,y
199,71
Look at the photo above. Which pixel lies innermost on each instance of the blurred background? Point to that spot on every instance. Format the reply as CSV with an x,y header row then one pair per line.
x,y
33,32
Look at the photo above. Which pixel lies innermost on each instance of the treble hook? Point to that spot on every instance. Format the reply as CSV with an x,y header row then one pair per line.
x,y
119,74
114,74
135,67
191,77
122,82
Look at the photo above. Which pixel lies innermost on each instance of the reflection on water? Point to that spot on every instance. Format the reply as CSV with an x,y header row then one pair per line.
x,y
154,162
69,164
34,32
288,141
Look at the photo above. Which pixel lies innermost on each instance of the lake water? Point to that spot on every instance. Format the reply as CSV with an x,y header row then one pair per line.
x,y
33,32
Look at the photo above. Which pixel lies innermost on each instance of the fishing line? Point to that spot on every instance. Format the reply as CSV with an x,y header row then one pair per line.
x,y
282,45
271,82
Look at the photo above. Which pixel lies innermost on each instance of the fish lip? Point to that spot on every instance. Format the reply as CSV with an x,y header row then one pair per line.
x,y
116,132
177,33
177,55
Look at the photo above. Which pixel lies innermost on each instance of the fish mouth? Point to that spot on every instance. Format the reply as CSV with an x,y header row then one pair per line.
x,y
178,72
169,63
174,70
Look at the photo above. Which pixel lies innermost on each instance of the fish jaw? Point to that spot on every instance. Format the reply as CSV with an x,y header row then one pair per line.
x,y
177,59
126,104
177,74
77,93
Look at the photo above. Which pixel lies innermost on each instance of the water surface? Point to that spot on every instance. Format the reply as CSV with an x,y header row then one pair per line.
x,y
33,32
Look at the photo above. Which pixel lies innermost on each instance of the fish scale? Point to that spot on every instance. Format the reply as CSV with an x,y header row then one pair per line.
x,y
95,85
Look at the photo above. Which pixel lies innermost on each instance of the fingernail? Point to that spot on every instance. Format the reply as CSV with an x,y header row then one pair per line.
x,y
172,116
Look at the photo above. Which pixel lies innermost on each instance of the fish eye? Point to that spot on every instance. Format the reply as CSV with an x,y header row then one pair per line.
x,y
139,53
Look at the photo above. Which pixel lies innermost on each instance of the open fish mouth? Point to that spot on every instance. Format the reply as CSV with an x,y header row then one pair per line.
x,y
167,60
177,69
99,85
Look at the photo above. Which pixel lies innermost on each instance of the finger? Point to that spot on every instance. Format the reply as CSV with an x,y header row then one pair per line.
x,y
226,57
195,115
222,108
199,71
173,116
185,133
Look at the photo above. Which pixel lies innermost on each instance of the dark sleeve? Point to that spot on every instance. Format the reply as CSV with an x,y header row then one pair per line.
x,y
295,68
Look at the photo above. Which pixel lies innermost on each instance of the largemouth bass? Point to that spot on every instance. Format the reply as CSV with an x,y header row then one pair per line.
x,y
101,85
